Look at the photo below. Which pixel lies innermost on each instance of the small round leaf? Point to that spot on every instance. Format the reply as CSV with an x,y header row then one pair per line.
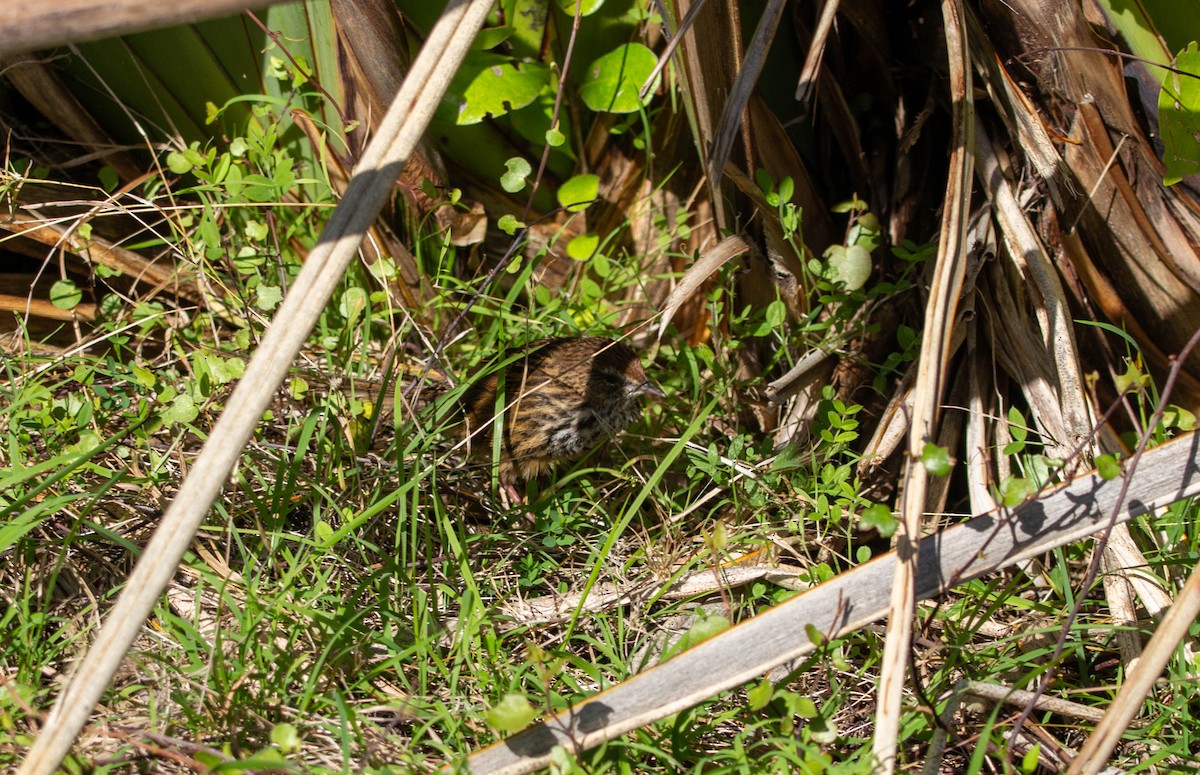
x,y
880,517
579,192
936,459
518,170
851,266
512,714
64,294
582,247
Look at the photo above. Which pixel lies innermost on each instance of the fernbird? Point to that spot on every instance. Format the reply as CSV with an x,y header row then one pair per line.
x,y
561,398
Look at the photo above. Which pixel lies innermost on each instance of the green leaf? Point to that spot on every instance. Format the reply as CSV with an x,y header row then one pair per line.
x,y
1015,490
1178,417
1018,428
776,314
509,224
285,737
64,294
1179,117
144,377
267,297
1029,762
612,81
851,266
109,180
182,410
760,694
490,37
936,459
352,303
257,231
178,163
1132,379
586,7
786,189
849,205
705,629
879,517
579,192
555,138
1108,467
528,18
518,170
491,84
512,714
805,707
582,247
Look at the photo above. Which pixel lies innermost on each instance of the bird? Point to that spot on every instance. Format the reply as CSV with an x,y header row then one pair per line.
x,y
561,397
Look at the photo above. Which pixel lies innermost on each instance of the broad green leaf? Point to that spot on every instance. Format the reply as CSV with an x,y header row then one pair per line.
x,y
850,205
805,707
352,303
144,377
64,294
1132,379
1178,417
582,247
759,695
775,314
579,192
490,37
611,82
267,297
182,410
851,266
528,20
1108,467
178,163
512,714
1179,117
1029,762
491,84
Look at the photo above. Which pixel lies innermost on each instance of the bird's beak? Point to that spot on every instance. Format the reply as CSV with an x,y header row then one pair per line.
x,y
648,388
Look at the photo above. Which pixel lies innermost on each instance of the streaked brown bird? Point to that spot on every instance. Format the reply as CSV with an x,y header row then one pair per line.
x,y
561,398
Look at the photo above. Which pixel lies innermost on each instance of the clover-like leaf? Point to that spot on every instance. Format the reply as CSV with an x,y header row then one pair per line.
x,y
518,170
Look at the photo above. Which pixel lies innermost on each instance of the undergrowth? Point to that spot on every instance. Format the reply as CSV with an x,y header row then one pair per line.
x,y
353,601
